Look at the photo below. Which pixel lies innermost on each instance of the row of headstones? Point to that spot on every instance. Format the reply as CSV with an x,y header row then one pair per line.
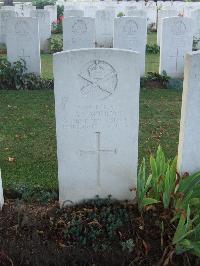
x,y
130,33
24,10
7,18
97,119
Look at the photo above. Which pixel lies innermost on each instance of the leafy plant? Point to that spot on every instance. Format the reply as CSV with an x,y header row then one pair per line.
x,y
143,185
60,11
14,77
152,49
181,195
55,45
128,245
187,235
163,79
120,14
41,3
57,26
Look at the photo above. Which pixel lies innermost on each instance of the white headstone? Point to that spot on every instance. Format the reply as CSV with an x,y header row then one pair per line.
x,y
12,8
137,13
5,16
176,41
131,33
1,193
163,14
104,28
90,11
19,8
97,118
43,17
27,10
23,43
78,33
195,15
129,8
53,12
73,13
189,144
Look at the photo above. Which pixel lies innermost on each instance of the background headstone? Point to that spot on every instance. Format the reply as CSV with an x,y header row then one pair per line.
x,y
176,41
104,28
43,17
5,16
23,43
97,118
131,33
78,33
189,144
53,12
163,14
73,13
195,15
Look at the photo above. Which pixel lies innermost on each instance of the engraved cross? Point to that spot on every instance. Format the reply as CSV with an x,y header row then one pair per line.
x,y
98,153
177,56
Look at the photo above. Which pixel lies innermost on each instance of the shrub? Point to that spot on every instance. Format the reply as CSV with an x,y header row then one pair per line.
x,y
55,45
14,77
41,3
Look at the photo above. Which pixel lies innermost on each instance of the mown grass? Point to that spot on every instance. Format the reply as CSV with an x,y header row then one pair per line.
x,y
27,134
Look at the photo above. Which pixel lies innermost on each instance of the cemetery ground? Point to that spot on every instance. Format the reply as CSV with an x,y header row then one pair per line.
x,y
35,231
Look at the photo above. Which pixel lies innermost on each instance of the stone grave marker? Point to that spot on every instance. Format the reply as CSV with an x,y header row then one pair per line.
x,y
73,13
163,14
131,33
43,17
104,27
78,33
5,16
27,10
53,12
137,13
23,43
195,15
189,144
176,41
97,119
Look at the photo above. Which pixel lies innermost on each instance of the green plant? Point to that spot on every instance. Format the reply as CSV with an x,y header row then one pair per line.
x,y
143,185
178,193
162,79
152,49
55,45
14,77
120,14
187,235
57,27
41,3
60,11
128,245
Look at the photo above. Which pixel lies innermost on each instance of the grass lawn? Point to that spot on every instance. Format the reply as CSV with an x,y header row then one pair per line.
x,y
27,133
27,129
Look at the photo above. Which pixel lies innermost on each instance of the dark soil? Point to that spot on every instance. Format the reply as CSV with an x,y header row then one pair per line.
x,y
98,232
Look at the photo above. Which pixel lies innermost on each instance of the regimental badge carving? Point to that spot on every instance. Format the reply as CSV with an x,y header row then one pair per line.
x,y
79,27
98,79
22,28
179,28
130,27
